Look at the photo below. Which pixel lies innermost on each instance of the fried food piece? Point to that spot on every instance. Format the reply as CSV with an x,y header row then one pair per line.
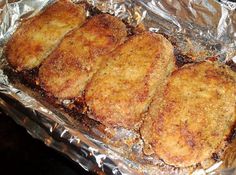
x,y
123,87
195,115
38,36
67,70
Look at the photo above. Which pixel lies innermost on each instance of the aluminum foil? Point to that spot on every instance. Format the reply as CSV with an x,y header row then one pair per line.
x,y
200,29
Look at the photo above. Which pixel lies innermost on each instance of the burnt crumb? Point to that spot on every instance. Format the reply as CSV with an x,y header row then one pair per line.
x,y
75,106
165,35
232,134
215,157
212,59
182,59
232,65
216,46
131,30
92,10
198,165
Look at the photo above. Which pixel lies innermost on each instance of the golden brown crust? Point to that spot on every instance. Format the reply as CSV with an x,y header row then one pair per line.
x,y
194,116
67,70
38,36
123,87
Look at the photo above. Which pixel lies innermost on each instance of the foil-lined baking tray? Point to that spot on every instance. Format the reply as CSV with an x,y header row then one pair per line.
x,y
199,29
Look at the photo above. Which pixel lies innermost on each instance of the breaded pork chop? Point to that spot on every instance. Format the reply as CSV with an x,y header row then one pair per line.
x,y
125,84
39,35
194,116
67,70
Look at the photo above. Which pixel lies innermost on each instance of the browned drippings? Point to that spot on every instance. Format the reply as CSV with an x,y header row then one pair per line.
x,y
29,78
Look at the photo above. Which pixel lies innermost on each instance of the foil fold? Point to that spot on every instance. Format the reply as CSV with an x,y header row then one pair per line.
x,y
199,28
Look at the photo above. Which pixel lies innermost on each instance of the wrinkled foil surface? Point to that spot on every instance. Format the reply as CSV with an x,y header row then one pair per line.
x,y
200,29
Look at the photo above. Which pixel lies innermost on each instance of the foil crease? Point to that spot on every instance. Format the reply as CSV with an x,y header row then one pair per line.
x,y
199,28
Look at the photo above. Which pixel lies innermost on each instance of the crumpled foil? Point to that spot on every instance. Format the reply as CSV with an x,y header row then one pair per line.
x,y
200,29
